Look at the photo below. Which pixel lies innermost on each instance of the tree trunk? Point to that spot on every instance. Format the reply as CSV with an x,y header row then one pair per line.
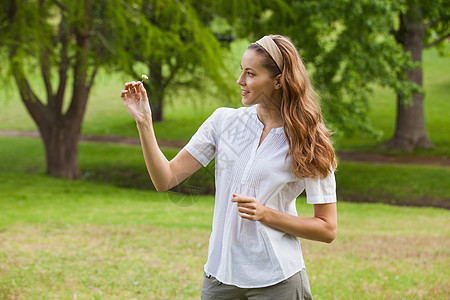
x,y
60,132
156,90
61,149
410,132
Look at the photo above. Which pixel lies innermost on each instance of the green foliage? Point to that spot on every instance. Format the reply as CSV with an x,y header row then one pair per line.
x,y
171,42
36,31
185,112
349,45
437,25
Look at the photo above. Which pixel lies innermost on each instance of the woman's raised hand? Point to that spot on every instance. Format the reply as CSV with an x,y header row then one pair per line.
x,y
134,97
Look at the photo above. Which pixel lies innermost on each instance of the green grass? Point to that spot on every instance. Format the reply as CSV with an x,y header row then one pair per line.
x,y
63,240
124,166
119,165
60,239
394,184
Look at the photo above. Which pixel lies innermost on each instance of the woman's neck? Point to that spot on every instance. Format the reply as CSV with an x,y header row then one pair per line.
x,y
269,116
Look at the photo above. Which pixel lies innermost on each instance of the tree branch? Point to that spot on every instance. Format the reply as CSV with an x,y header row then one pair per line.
x,y
45,64
80,89
92,77
29,98
63,36
431,23
434,43
45,71
173,70
62,6
45,61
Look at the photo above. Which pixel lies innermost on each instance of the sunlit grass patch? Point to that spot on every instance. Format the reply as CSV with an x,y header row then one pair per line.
x,y
61,239
101,261
380,267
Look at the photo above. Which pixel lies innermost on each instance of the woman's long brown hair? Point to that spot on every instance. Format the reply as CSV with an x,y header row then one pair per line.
x,y
310,145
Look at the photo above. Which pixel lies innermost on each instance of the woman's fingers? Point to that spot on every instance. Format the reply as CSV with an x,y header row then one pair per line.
x,y
242,199
133,89
247,204
143,90
127,86
248,207
246,210
134,97
123,94
132,86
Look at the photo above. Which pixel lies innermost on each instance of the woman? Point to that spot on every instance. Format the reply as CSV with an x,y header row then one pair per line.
x,y
265,154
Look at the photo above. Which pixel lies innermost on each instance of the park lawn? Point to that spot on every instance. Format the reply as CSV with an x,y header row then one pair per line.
x,y
63,239
124,166
96,239
394,184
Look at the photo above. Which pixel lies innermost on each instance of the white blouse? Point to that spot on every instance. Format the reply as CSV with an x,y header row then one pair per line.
x,y
246,253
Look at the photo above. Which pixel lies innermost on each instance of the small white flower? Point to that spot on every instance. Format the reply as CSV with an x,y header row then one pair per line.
x,y
144,77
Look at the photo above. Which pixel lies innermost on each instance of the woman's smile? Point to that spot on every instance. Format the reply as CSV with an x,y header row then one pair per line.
x,y
244,92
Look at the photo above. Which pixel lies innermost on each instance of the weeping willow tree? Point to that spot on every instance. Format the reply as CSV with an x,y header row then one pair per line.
x,y
173,42
64,43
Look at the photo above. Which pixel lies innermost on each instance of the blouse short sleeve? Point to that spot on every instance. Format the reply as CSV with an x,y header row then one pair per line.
x,y
202,145
321,190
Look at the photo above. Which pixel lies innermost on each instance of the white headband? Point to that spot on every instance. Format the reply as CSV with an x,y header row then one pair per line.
x,y
271,47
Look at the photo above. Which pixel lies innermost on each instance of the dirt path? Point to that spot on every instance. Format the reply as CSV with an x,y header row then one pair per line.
x,y
345,155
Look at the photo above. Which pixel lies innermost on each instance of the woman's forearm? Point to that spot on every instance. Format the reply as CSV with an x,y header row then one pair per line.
x,y
157,164
314,228
322,227
164,174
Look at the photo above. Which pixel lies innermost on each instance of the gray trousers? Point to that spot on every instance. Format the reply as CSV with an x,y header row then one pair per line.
x,y
293,288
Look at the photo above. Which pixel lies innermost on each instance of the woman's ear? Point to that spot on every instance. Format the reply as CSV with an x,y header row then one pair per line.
x,y
278,81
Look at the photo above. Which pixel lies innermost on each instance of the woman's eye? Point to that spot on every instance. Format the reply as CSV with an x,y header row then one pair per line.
x,y
250,74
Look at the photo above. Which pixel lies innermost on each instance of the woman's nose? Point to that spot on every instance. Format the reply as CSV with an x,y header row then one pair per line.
x,y
240,80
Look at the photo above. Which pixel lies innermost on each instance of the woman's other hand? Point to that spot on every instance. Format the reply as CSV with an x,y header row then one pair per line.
x,y
249,208
134,97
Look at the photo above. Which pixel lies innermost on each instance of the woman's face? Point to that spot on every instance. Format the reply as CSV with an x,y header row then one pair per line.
x,y
257,86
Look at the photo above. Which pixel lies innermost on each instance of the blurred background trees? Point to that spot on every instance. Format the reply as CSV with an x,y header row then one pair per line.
x,y
170,41
352,45
348,46
421,24
64,43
